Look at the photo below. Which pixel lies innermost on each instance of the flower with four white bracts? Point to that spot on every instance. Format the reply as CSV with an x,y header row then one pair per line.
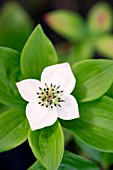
x,y
50,98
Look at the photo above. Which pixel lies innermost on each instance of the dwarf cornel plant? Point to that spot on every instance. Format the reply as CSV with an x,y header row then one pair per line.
x,y
94,80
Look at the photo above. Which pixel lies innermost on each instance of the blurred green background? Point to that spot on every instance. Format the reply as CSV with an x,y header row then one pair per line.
x,y
79,29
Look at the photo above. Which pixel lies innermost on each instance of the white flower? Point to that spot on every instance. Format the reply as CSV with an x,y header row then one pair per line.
x,y
50,98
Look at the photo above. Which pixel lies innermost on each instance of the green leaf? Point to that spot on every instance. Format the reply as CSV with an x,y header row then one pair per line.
x,y
68,136
105,159
47,145
37,54
74,162
70,162
100,17
15,26
3,108
76,53
82,51
67,23
36,166
94,78
13,128
89,151
95,125
9,75
110,92
104,46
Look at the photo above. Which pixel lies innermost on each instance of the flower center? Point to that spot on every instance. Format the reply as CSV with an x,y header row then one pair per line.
x,y
50,96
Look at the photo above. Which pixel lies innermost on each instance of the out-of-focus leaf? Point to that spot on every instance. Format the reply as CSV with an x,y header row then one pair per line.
x,y
88,151
37,54
105,159
74,162
76,53
13,128
95,125
94,78
15,26
67,23
9,75
100,17
47,145
82,51
70,162
104,45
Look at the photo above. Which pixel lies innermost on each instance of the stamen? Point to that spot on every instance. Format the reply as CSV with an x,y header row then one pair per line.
x,y
50,102
46,85
43,99
50,96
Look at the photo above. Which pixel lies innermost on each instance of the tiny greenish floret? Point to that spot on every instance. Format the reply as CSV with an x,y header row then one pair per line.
x,y
50,96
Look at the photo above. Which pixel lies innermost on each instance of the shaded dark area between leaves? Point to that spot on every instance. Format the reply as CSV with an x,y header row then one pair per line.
x,y
72,147
19,158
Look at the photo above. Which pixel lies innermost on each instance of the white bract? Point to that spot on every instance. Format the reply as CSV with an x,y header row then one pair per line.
x,y
50,98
